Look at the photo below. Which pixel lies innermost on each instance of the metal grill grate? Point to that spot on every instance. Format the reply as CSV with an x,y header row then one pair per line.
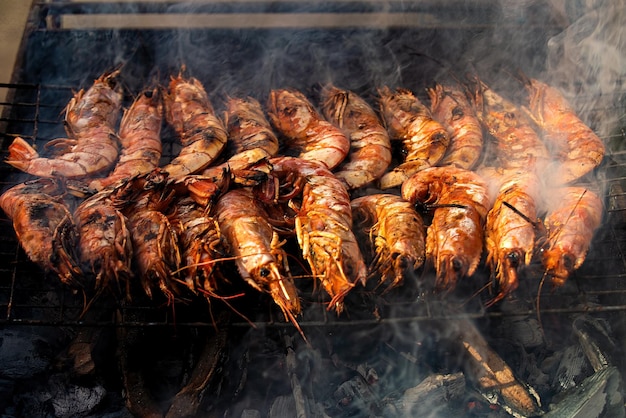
x,y
28,296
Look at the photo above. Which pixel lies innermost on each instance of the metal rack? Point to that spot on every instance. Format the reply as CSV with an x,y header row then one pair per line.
x,y
29,296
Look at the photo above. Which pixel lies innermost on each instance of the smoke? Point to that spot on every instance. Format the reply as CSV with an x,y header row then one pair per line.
x,y
587,62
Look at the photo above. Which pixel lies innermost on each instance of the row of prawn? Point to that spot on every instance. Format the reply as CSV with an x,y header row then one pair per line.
x,y
174,225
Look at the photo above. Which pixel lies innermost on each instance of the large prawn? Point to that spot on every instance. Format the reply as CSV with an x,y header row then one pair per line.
x,y
105,244
44,227
450,105
574,215
576,147
518,145
512,226
254,244
461,200
250,138
370,147
144,201
92,149
140,136
201,242
424,140
397,232
309,136
323,223
202,134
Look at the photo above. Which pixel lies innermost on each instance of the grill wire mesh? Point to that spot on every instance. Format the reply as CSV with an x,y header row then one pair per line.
x,y
29,296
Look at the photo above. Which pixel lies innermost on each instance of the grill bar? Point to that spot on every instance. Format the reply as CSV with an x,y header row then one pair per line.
x,y
598,287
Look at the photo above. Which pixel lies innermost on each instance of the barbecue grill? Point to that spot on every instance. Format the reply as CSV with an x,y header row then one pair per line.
x,y
365,361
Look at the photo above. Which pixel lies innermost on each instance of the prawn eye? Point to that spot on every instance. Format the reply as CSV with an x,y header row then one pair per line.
x,y
439,137
264,272
457,113
568,262
514,258
457,265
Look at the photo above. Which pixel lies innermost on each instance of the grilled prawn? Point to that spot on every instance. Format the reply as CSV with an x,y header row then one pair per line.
x,y
397,232
424,139
105,244
572,219
309,136
451,107
454,241
202,134
144,201
323,224
511,227
44,227
93,146
201,244
518,146
140,136
250,138
576,147
254,243
370,148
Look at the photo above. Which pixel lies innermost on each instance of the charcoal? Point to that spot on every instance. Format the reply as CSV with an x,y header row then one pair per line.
x,y
493,377
599,395
81,350
24,354
524,331
283,406
354,395
433,394
596,341
76,400
59,398
573,368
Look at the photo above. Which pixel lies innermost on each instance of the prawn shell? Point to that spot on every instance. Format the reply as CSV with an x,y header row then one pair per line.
x,y
511,228
202,134
140,138
518,145
370,147
397,233
93,146
324,227
461,201
252,241
424,140
44,226
105,242
575,146
450,106
308,135
571,223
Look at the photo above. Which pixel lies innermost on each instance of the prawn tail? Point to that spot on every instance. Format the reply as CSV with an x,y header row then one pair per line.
x,y
21,153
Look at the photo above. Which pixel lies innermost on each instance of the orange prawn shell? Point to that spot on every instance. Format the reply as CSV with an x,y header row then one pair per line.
x,y
575,145
454,241
93,148
451,107
251,240
510,235
202,134
397,231
424,140
44,226
571,224
308,134
370,146
324,227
